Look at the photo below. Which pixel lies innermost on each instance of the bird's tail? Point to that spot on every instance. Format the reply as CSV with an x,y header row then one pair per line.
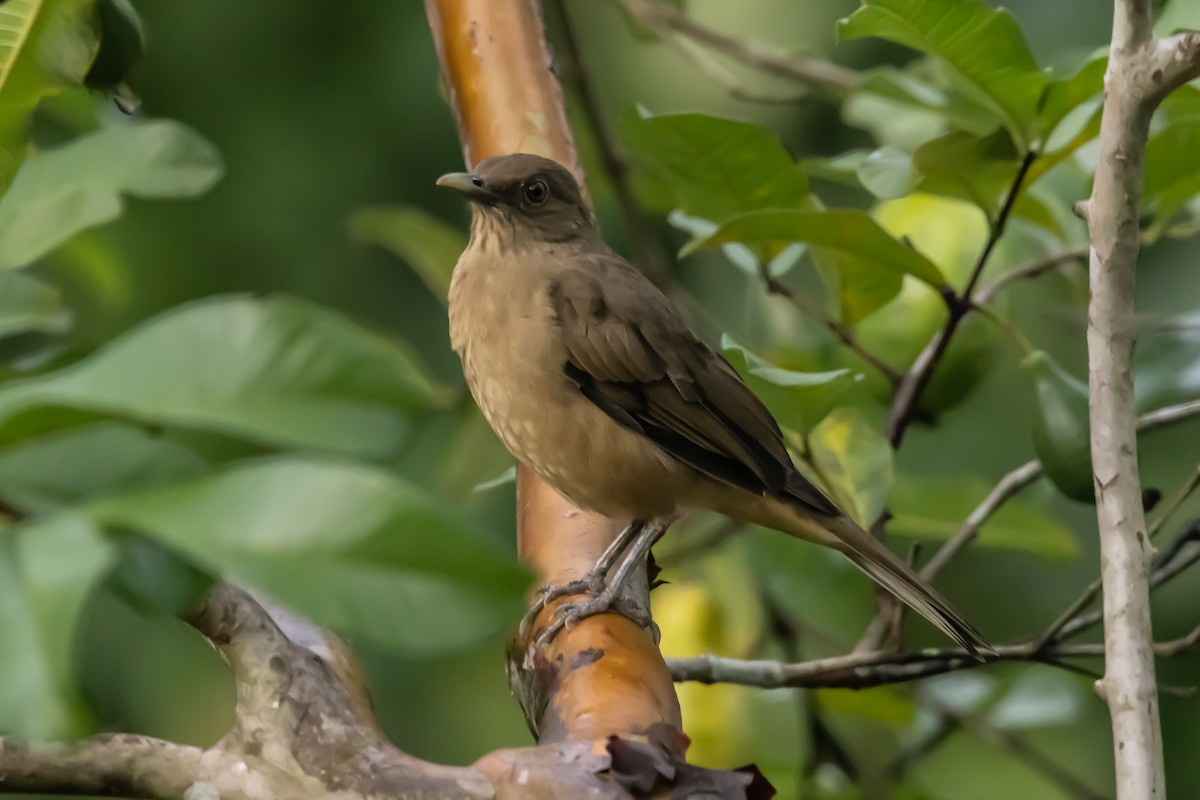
x,y
885,568
800,518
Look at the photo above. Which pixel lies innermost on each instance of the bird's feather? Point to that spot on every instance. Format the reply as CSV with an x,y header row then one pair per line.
x,y
630,353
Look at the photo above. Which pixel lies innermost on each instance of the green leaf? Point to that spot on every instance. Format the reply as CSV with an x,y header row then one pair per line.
x,y
1172,170
29,306
887,173
855,459
275,371
717,168
349,546
778,262
912,91
430,246
1065,95
45,45
157,581
798,400
47,572
985,46
934,508
857,284
121,45
1060,426
979,169
63,191
70,466
847,231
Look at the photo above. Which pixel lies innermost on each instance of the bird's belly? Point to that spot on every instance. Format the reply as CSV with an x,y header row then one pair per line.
x,y
587,457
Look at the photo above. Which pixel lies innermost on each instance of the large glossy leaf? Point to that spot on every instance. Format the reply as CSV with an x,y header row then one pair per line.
x,y
349,546
73,465
47,572
855,460
27,305
1065,95
799,400
716,167
934,508
275,370
428,245
61,192
44,46
984,45
846,231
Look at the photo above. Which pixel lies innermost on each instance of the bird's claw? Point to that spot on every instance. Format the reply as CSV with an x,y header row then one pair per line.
x,y
591,583
573,612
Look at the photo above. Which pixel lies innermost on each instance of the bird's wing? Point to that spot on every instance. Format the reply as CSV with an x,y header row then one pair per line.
x,y
631,354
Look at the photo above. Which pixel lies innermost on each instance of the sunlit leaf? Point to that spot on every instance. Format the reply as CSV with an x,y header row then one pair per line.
x,y
47,572
855,459
982,44
60,192
428,245
28,305
799,400
46,45
275,370
716,167
847,231
934,508
349,546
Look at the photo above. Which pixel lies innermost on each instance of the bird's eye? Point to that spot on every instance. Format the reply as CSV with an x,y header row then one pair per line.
x,y
536,191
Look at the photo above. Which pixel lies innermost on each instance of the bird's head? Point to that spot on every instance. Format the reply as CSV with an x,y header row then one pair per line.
x,y
525,196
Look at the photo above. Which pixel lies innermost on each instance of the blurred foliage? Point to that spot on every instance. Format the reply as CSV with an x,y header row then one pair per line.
x,y
223,352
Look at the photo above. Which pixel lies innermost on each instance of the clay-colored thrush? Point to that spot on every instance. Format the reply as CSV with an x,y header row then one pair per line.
x,y
593,380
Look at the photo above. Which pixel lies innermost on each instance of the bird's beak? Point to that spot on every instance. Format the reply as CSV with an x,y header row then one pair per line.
x,y
468,185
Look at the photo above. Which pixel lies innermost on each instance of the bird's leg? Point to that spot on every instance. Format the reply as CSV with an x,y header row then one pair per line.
x,y
593,580
569,614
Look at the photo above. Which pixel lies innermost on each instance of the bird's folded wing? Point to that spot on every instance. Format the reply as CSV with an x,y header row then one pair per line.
x,y
631,354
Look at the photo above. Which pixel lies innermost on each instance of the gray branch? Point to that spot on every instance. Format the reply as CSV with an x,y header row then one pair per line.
x,y
304,728
1141,72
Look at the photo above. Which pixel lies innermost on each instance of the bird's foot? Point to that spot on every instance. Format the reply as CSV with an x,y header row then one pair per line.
x,y
609,597
575,611
591,583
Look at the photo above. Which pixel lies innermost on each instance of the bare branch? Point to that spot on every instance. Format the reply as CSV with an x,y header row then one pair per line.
x,y
1141,71
838,329
908,393
1033,269
865,670
120,764
829,79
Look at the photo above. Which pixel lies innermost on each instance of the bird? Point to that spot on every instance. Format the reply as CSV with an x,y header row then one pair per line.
x,y
591,377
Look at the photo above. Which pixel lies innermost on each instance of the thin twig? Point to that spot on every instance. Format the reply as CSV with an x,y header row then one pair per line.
x,y
865,670
838,329
1033,269
908,393
1006,489
830,80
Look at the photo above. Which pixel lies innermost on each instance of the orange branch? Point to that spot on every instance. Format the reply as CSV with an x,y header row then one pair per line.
x,y
605,675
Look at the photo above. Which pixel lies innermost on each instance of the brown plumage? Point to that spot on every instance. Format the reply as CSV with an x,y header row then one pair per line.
x,y
591,378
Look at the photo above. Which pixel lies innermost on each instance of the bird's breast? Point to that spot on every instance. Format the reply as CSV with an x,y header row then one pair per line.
x,y
512,356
